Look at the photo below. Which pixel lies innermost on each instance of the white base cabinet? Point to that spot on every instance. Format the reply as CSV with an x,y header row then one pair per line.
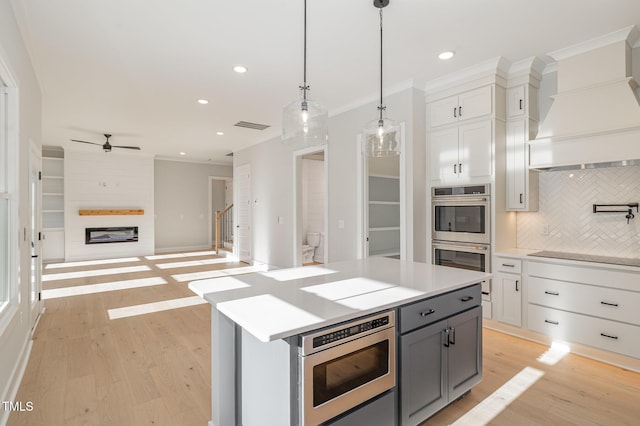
x,y
507,291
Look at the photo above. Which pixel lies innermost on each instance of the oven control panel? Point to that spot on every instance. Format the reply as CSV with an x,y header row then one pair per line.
x,y
347,332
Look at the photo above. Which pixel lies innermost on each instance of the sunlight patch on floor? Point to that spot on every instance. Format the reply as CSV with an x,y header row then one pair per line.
x,y
178,255
91,263
193,276
190,263
495,403
555,353
94,273
149,308
100,288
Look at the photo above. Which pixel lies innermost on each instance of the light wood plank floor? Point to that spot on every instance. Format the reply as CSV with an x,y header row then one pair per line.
x,y
154,368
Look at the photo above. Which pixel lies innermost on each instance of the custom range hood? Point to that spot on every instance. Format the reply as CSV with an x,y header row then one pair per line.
x,y
594,119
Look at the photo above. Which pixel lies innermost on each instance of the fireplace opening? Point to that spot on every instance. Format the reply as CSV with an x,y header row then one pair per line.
x,y
120,234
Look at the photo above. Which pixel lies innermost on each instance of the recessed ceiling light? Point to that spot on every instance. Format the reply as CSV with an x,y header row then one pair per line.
x,y
183,153
446,55
240,69
203,101
219,133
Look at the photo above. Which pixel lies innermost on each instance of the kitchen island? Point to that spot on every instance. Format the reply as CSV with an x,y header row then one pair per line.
x,y
261,315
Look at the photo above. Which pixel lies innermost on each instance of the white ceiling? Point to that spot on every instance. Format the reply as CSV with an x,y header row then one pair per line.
x,y
136,68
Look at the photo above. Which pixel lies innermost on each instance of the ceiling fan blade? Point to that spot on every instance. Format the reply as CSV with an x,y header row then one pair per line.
x,y
127,147
92,143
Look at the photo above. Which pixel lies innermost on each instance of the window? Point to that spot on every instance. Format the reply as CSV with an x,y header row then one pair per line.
x,y
8,196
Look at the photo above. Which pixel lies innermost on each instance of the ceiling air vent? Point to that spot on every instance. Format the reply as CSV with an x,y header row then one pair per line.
x,y
249,125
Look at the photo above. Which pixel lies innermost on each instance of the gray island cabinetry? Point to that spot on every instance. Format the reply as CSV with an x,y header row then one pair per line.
x,y
376,341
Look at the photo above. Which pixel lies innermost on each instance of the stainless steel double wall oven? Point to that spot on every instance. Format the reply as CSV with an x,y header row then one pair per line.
x,y
461,228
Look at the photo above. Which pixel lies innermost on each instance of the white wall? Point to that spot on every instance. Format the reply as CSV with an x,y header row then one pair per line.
x,y
107,180
182,204
15,329
313,200
272,184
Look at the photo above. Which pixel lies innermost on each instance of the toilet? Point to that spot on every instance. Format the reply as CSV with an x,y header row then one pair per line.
x,y
309,249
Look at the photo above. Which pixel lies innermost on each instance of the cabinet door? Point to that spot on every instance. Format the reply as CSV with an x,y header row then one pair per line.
x,y
508,298
516,101
422,373
444,111
516,165
475,103
444,154
475,150
465,352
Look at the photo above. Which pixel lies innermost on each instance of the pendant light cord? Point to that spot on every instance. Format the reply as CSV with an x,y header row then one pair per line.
x,y
304,86
381,108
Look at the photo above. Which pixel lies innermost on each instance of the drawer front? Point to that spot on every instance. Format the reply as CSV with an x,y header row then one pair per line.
x,y
609,303
605,277
436,308
505,264
600,333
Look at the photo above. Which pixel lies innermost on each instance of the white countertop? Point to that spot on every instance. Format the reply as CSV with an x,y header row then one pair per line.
x,y
277,304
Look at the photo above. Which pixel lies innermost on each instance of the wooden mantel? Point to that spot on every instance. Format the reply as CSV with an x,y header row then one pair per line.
x,y
116,212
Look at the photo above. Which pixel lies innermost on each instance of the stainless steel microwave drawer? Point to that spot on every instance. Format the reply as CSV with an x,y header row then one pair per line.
x,y
436,308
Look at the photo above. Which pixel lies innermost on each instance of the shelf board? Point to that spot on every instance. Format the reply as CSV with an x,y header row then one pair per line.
x,y
52,211
384,176
52,229
53,194
52,177
385,203
385,228
111,212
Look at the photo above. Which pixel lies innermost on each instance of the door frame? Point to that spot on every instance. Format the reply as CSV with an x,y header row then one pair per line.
x,y
35,233
297,202
210,205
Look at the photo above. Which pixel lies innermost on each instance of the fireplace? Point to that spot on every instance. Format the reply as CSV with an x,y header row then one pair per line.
x,y
120,234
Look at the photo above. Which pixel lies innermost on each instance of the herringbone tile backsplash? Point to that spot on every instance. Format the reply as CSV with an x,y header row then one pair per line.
x,y
566,211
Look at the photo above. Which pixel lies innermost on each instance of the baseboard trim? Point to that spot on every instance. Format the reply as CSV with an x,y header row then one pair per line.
x,y
16,378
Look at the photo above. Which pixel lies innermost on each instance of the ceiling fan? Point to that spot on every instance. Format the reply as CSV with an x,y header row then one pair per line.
x,y
107,146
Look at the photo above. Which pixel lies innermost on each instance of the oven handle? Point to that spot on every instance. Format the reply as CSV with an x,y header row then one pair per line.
x,y
458,201
475,248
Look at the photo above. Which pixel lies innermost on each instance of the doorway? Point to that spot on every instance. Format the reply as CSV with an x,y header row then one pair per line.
x,y
221,200
311,207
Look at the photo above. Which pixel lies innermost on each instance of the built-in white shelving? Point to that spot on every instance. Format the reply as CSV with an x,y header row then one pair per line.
x,y
53,205
384,215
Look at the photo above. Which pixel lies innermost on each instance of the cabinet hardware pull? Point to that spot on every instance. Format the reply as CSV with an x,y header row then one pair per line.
x,y
552,293
521,198
609,303
466,298
453,336
509,265
460,111
552,322
426,313
521,104
454,112
609,336
517,285
459,167
446,337
455,168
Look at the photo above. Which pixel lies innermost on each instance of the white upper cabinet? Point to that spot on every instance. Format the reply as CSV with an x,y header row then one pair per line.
x,y
516,101
465,106
461,152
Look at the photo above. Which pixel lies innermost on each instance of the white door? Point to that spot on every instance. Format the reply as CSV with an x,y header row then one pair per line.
x,y
35,280
242,179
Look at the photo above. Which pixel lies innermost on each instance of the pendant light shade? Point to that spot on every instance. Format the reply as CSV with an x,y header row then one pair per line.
x,y
382,136
304,120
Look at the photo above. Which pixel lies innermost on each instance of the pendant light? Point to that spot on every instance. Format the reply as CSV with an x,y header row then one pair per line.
x,y
304,120
382,135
